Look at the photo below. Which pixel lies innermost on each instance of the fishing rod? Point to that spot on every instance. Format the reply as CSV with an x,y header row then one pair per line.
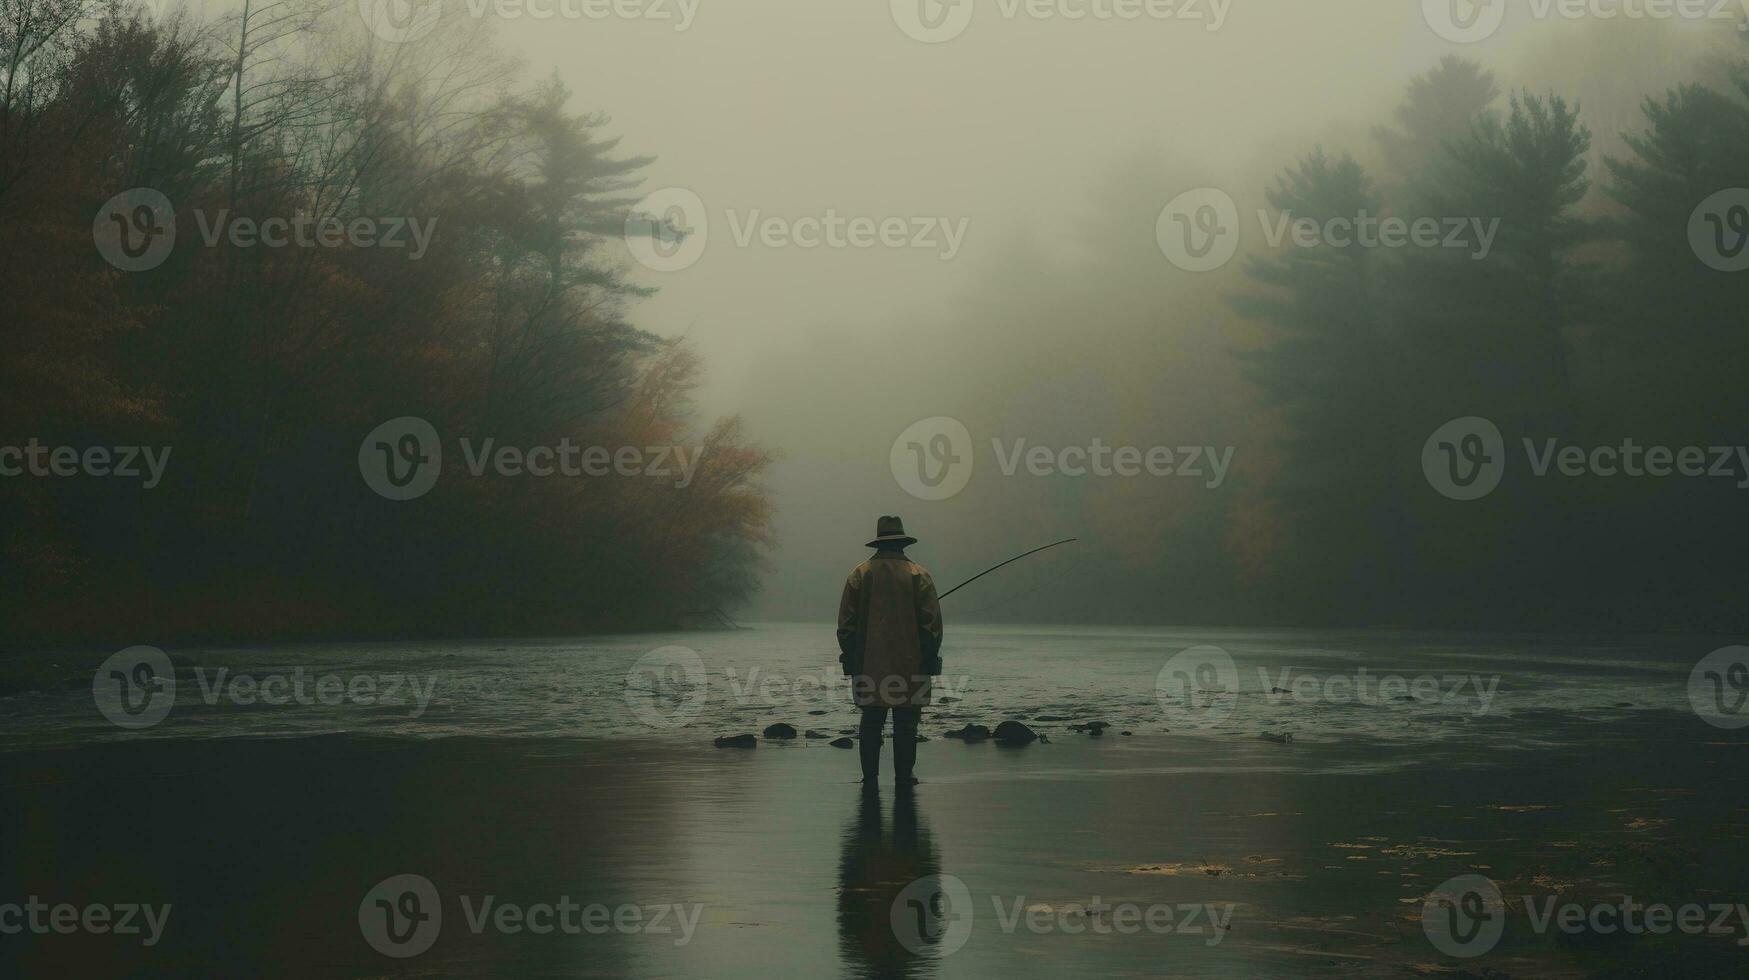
x,y
1010,561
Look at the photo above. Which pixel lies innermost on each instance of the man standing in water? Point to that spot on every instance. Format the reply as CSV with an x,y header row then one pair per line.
x,y
889,629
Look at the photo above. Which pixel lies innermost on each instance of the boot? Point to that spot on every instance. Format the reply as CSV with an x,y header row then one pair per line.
x,y
904,757
870,748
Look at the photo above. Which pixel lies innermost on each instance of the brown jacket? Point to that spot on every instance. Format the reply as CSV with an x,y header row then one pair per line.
x,y
903,629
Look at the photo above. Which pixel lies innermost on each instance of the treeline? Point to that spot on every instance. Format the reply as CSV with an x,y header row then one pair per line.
x,y
1592,318
260,369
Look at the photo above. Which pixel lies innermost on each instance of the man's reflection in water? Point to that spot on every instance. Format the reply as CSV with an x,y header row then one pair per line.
x,y
876,871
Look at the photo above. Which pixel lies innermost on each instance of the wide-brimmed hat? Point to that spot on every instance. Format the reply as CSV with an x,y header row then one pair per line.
x,y
890,530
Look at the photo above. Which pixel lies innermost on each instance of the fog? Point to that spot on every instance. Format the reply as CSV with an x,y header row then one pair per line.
x,y
1058,321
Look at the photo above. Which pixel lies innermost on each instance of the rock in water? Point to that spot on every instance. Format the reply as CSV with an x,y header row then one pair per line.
x,y
843,743
971,733
1014,733
780,730
810,733
736,742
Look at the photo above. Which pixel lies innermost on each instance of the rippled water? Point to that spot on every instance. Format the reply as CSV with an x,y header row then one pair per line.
x,y
1505,692
1400,687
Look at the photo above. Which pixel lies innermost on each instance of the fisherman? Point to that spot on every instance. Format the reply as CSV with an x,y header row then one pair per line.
x,y
889,632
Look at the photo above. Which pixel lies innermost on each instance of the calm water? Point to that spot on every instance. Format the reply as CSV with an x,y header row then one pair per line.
x,y
1401,687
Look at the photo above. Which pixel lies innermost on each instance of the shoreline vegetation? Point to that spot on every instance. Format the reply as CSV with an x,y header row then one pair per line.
x,y
255,374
